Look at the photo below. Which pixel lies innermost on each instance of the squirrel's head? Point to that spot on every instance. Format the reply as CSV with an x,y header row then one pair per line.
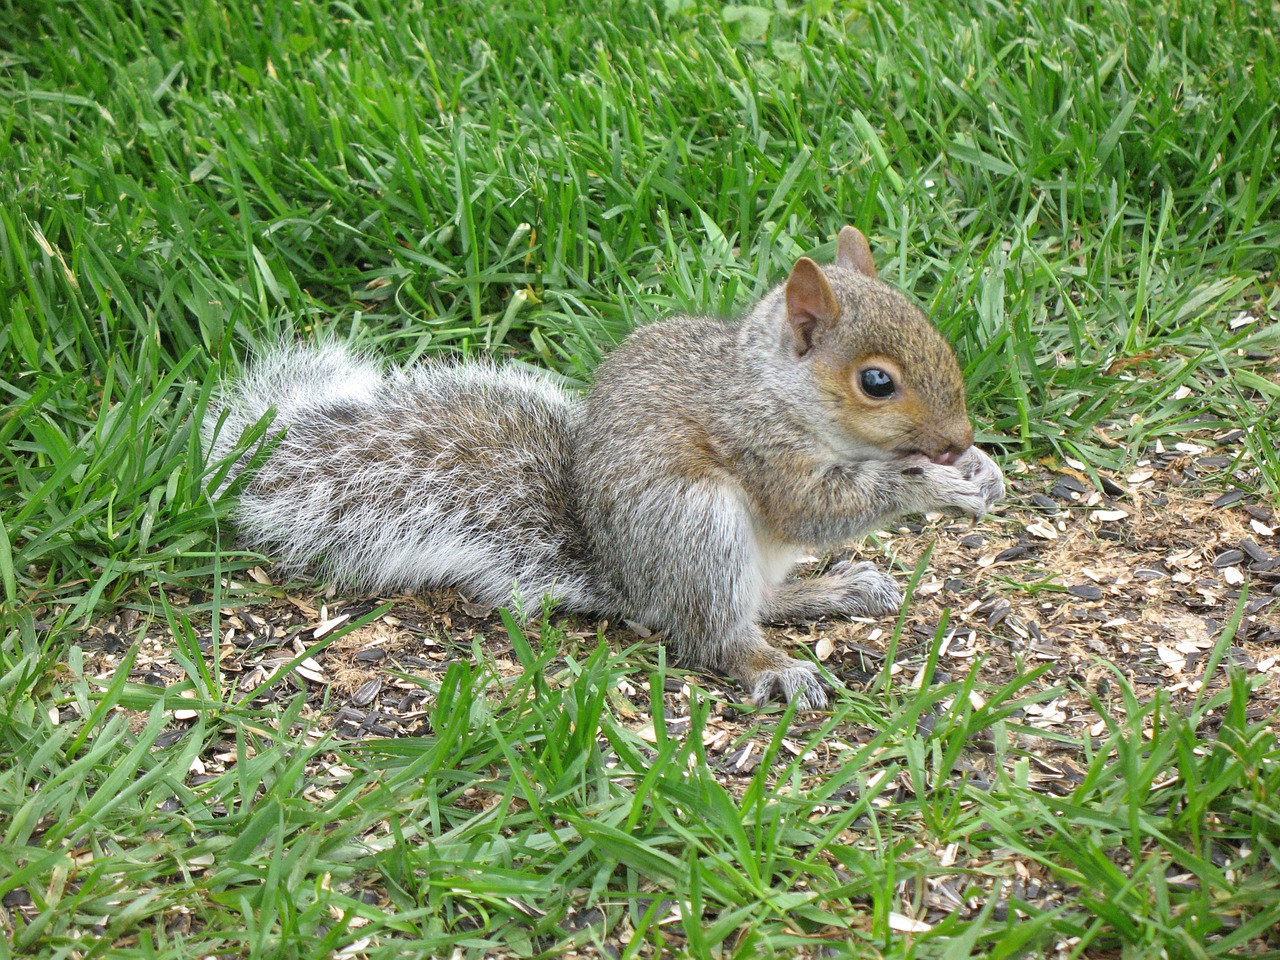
x,y
890,378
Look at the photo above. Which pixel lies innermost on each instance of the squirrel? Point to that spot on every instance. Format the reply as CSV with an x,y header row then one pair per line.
x,y
707,457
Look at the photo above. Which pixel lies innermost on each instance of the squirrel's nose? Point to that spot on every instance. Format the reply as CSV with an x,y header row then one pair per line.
x,y
946,459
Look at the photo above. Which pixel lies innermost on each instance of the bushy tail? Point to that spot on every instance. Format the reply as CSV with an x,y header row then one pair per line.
x,y
387,478
298,380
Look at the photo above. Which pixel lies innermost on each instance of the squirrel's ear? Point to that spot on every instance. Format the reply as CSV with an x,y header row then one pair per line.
x,y
812,307
854,253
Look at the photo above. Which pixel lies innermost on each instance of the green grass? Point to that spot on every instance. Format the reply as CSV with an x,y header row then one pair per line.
x,y
1085,196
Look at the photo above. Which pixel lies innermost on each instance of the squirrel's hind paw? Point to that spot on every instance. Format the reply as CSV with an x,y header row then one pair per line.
x,y
789,680
867,590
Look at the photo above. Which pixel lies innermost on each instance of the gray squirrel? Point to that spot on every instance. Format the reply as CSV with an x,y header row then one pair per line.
x,y
705,460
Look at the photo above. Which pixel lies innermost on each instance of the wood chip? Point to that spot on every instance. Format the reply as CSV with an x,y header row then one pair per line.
x,y
312,671
901,923
328,626
1108,516
1042,529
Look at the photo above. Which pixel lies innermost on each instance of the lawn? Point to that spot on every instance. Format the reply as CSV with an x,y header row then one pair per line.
x,y
1065,747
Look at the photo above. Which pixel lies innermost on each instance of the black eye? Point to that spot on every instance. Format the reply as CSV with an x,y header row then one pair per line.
x,y
876,383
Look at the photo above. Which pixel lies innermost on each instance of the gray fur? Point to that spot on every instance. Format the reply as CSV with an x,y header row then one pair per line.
x,y
438,475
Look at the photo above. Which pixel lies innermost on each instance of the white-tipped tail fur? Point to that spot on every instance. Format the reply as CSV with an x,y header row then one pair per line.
x,y
439,475
295,379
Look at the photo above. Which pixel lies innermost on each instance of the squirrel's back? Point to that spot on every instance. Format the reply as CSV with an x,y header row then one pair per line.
x,y
438,475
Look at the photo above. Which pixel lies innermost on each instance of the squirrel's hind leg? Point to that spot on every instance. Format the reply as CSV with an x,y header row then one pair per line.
x,y
708,600
767,672
846,590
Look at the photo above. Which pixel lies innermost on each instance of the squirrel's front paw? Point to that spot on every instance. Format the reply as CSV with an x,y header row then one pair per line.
x,y
976,466
946,488
865,590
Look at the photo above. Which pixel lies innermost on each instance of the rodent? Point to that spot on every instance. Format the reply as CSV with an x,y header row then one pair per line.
x,y
705,459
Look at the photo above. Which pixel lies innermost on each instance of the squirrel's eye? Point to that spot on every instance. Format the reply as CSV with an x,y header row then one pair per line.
x,y
876,383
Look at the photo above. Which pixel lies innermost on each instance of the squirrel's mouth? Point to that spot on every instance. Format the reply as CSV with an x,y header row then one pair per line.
x,y
945,458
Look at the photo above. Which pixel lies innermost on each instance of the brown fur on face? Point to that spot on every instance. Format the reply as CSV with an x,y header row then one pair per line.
x,y
859,323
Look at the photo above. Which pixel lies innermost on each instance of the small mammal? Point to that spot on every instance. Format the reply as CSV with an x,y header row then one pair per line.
x,y
705,460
